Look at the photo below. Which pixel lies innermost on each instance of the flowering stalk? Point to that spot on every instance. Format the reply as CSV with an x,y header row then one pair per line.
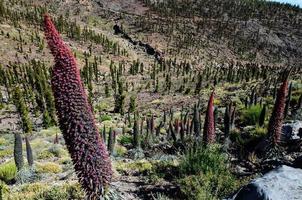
x,y
209,125
89,155
276,120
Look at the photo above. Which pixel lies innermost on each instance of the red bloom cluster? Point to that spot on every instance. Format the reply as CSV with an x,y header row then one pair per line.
x,y
89,155
276,120
209,125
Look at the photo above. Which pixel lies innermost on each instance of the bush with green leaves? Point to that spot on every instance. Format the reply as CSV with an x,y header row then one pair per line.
x,y
27,175
57,150
259,131
40,190
206,174
48,167
3,189
125,139
8,171
105,118
250,115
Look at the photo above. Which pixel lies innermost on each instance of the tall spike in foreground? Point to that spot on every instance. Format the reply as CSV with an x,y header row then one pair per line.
x,y
276,120
209,125
89,155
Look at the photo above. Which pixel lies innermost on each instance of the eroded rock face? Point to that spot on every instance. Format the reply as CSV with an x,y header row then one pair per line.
x,y
291,131
283,183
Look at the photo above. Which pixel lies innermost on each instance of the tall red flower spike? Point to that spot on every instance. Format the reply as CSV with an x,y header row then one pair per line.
x,y
209,125
276,120
89,155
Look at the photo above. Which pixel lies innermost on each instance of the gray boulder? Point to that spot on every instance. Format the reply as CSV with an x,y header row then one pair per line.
x,y
290,131
283,183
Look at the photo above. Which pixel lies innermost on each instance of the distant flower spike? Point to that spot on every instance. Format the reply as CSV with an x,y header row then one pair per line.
x,y
276,120
89,155
209,125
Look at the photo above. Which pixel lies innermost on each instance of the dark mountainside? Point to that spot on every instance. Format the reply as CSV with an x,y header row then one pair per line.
x,y
150,99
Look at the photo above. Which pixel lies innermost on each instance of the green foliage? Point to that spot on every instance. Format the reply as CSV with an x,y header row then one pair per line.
x,y
132,105
6,152
3,141
58,151
204,160
39,191
3,189
206,174
8,171
105,118
102,106
250,115
67,191
22,110
235,136
51,131
48,167
45,154
159,196
26,175
141,166
18,152
259,131
46,119
120,151
209,186
125,139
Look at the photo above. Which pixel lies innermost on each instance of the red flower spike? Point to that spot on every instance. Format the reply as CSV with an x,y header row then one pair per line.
x,y
209,125
276,120
89,155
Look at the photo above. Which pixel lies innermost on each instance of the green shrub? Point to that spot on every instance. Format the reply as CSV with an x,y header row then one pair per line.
x,y
3,141
125,139
206,175
66,191
209,186
105,118
3,189
235,136
141,166
120,150
250,115
259,131
57,150
45,154
6,152
102,106
33,187
50,131
8,171
26,175
204,160
48,167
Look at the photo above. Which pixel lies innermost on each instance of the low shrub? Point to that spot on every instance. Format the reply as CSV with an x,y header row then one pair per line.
x,y
45,154
120,151
250,115
6,152
48,167
58,150
3,141
39,191
105,118
66,191
125,139
27,175
8,171
205,174
259,132
50,131
141,166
